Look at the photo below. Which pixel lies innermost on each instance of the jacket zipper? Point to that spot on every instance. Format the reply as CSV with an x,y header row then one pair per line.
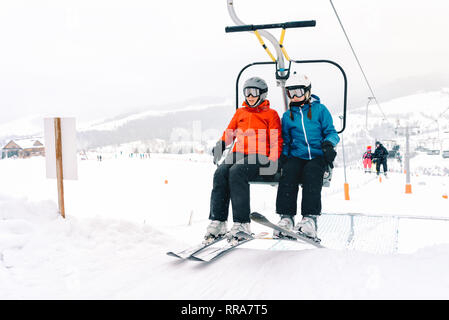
x,y
249,127
305,133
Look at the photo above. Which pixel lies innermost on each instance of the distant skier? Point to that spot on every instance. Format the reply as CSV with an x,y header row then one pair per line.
x,y
309,141
367,159
380,155
257,133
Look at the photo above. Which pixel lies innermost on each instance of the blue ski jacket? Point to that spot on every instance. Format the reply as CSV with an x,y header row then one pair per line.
x,y
303,136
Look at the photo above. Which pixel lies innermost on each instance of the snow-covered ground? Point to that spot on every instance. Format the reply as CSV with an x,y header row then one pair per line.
x,y
123,215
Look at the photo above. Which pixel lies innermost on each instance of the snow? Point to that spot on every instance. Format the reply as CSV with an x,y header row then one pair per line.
x,y
124,214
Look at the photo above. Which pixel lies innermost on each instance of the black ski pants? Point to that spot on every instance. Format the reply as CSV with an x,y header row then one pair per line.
x,y
382,162
231,184
310,174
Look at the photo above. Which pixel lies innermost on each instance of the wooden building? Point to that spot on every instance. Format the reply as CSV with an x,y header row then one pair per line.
x,y
23,148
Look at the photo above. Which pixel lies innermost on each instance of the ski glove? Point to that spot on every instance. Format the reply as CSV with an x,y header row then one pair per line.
x,y
329,153
217,151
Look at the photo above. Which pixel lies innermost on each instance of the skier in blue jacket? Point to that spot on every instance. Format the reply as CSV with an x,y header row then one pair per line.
x,y
309,141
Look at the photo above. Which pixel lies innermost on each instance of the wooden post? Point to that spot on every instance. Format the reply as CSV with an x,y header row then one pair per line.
x,y
59,172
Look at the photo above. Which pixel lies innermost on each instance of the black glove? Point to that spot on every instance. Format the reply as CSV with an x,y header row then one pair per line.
x,y
329,153
217,151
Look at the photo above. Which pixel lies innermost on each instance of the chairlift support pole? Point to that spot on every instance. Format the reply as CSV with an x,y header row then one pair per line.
x,y
346,185
408,186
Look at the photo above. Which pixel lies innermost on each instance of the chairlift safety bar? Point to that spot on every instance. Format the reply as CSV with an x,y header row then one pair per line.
x,y
285,25
345,93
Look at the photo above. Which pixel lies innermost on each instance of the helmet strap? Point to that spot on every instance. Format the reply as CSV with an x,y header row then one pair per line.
x,y
255,105
307,97
298,103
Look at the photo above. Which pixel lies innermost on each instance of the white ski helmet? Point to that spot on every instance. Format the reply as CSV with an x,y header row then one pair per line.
x,y
261,89
299,85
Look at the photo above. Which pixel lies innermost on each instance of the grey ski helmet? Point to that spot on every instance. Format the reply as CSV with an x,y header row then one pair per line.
x,y
257,83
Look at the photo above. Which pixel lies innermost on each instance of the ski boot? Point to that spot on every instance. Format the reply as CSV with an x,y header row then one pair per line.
x,y
239,227
287,222
215,229
307,227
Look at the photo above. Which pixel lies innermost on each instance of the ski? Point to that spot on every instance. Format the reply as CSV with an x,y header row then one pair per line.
x,y
210,254
186,253
259,218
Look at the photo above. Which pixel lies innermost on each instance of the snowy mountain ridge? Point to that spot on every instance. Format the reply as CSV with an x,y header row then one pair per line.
x,y
32,125
424,109
106,125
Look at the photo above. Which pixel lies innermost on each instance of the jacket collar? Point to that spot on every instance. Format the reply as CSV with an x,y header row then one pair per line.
x,y
313,100
265,105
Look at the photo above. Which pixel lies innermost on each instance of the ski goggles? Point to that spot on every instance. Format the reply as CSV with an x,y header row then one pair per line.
x,y
255,92
295,91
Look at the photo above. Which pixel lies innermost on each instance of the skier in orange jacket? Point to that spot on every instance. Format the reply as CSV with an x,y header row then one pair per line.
x,y
257,132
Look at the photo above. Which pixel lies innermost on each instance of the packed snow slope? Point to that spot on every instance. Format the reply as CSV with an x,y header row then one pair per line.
x,y
123,215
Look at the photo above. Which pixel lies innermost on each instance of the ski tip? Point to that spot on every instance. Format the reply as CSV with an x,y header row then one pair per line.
x,y
257,216
172,254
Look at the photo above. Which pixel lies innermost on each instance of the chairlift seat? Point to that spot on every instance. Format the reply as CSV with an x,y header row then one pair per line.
x,y
267,179
273,180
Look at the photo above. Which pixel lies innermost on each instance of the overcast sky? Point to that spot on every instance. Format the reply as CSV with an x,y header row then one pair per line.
x,y
96,58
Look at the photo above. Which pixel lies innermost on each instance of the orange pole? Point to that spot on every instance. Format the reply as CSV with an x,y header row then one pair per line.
x,y
346,191
408,189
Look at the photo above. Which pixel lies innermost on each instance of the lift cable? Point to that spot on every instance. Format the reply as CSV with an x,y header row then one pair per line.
x,y
357,59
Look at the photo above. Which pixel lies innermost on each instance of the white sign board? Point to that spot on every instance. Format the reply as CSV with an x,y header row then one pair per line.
x,y
69,148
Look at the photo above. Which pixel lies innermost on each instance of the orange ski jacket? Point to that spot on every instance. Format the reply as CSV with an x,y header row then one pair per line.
x,y
255,131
